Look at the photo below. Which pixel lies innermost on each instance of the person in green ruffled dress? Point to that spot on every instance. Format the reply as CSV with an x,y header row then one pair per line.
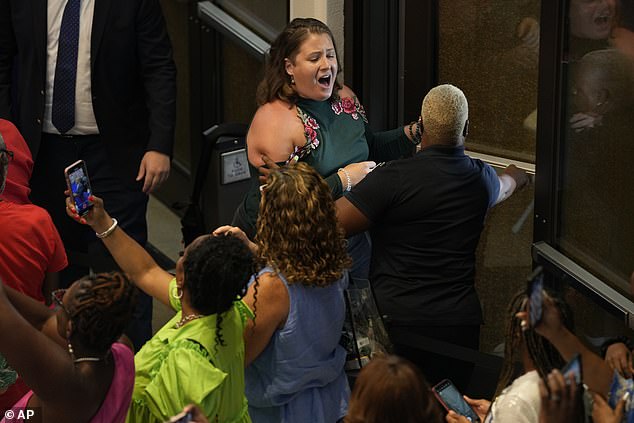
x,y
306,114
198,356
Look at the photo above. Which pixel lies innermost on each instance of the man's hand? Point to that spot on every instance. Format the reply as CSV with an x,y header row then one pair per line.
x,y
519,175
155,168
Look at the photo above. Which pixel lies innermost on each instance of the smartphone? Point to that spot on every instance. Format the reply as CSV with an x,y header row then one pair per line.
x,y
535,296
184,417
573,367
79,186
449,397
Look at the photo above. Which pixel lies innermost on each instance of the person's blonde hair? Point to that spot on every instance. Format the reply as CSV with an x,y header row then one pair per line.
x,y
297,229
445,112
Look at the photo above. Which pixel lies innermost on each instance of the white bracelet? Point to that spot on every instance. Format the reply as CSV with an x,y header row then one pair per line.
x,y
348,180
108,231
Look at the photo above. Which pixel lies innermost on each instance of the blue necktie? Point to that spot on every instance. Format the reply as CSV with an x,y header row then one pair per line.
x,y
63,115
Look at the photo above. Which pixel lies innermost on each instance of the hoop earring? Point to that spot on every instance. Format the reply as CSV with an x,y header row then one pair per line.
x,y
178,293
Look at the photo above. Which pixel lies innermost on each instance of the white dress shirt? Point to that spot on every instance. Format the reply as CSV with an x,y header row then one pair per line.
x,y
85,122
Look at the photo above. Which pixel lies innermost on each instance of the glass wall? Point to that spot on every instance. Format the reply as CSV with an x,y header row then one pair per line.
x,y
596,220
490,49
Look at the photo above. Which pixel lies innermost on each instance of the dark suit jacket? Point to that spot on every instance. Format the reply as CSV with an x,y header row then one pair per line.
x,y
133,76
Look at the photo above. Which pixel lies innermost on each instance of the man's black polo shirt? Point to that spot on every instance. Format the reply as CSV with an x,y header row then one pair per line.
x,y
427,213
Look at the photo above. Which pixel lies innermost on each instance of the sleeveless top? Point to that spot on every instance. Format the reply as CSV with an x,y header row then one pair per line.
x,y
299,377
115,405
336,135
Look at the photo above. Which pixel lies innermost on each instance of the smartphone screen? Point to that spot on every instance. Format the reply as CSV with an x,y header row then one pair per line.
x,y
535,296
451,399
79,186
573,367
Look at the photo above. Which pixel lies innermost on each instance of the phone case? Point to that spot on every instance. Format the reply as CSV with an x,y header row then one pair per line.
x,y
467,412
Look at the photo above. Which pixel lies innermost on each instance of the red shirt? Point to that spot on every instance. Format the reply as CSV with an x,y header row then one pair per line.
x,y
20,168
30,247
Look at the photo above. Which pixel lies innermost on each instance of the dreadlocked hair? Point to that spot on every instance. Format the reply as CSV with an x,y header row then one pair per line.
x,y
216,273
542,353
297,229
101,309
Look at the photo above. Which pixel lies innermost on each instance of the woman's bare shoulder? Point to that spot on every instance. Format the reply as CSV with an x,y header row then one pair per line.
x,y
274,131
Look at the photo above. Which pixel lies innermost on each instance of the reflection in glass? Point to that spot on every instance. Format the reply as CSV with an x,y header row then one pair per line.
x,y
490,49
597,190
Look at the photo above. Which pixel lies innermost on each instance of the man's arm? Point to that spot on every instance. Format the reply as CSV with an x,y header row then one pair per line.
x,y
511,180
7,52
159,78
351,219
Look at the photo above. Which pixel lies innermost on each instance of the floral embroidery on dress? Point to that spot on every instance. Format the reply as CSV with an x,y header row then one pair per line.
x,y
312,142
349,106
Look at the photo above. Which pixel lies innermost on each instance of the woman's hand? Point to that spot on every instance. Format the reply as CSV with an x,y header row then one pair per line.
x,y
550,326
453,417
619,358
192,413
603,413
560,401
357,172
97,217
480,406
236,232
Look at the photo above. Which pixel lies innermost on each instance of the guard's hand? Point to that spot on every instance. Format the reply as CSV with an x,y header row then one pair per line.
x,y
155,169
269,165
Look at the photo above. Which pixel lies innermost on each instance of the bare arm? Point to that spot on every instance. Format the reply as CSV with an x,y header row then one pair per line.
x,y
50,284
350,218
129,255
511,180
45,367
270,314
274,131
596,373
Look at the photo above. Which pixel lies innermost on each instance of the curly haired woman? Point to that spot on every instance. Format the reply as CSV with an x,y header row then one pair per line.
x,y
198,356
295,365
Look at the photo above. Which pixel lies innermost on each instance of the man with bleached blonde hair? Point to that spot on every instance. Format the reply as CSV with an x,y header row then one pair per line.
x,y
425,215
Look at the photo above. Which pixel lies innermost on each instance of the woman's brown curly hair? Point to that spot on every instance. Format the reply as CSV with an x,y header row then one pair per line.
x,y
297,229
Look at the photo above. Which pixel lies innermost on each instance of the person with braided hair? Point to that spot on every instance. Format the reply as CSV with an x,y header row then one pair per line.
x,y
295,365
69,357
198,356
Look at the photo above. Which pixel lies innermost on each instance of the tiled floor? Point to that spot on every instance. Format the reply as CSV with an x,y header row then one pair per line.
x,y
164,235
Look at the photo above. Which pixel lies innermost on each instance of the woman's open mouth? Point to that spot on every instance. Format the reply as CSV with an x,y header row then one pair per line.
x,y
324,81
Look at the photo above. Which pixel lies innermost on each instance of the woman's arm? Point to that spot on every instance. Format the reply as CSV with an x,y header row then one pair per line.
x,y
45,367
274,132
271,311
139,266
596,373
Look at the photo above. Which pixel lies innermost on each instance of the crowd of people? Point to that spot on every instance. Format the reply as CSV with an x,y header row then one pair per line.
x,y
260,305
